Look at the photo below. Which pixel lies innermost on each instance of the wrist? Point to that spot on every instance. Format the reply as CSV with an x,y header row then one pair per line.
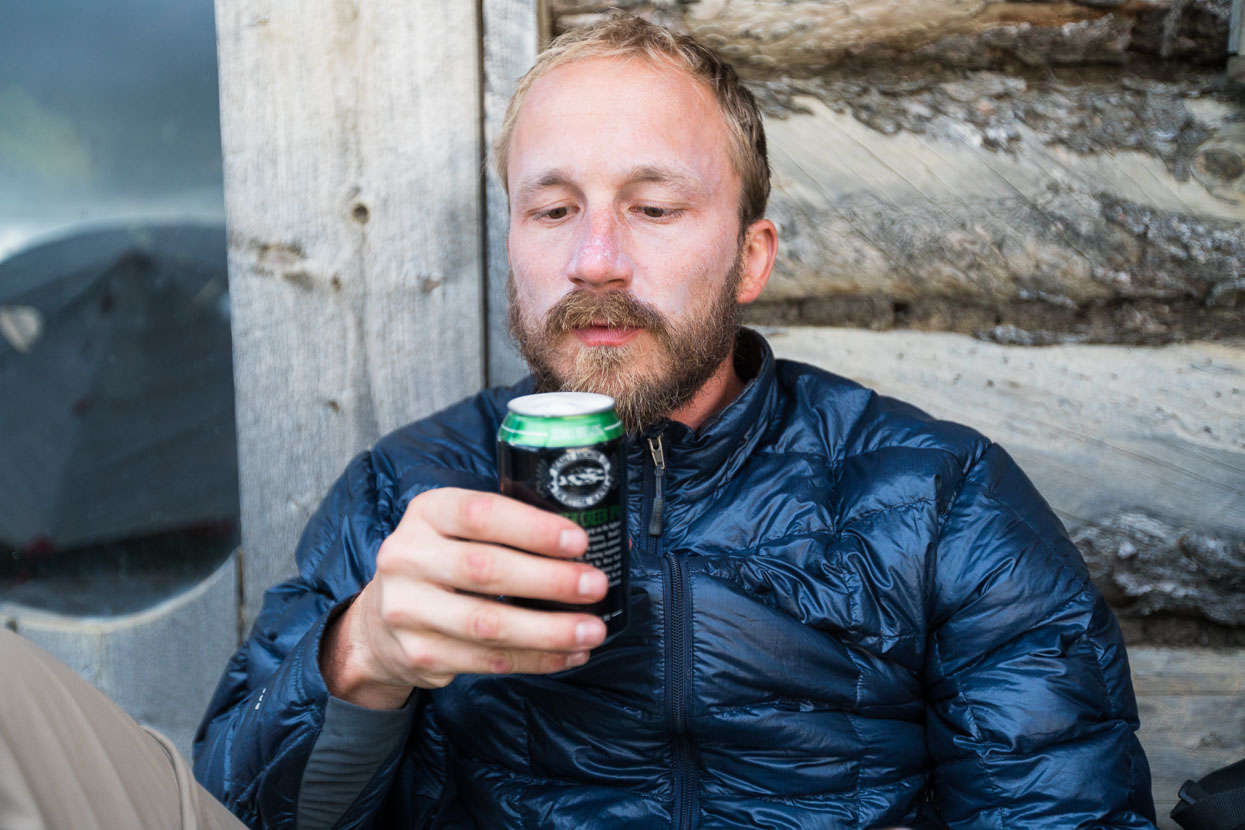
x,y
344,669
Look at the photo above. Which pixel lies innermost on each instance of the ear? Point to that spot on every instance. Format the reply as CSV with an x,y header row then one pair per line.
x,y
756,260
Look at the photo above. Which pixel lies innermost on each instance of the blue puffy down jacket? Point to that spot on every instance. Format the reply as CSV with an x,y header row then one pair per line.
x,y
853,616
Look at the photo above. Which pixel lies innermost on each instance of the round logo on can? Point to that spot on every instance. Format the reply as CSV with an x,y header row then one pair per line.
x,y
580,478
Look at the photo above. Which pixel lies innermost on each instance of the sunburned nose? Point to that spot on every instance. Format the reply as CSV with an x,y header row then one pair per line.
x,y
600,259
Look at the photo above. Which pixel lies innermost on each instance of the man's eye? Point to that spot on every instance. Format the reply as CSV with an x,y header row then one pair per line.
x,y
653,212
556,213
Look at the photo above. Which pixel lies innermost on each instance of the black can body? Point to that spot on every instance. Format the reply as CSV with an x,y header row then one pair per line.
x,y
585,484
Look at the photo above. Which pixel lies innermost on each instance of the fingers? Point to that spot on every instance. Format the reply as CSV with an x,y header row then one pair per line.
x,y
487,623
488,569
454,538
491,517
435,660
426,615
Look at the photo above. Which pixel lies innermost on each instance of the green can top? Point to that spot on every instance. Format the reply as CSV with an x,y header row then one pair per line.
x,y
560,419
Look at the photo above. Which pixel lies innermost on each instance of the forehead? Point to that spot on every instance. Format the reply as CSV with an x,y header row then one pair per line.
x,y
603,115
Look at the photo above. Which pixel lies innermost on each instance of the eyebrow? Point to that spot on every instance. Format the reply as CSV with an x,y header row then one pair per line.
x,y
550,178
644,173
665,175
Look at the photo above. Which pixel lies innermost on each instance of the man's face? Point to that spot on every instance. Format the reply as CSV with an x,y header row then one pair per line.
x,y
624,234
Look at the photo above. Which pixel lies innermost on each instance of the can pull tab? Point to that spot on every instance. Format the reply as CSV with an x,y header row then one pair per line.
x,y
659,476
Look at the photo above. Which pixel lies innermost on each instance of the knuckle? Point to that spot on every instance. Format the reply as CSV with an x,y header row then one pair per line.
x,y
387,556
479,567
422,659
393,616
473,513
429,499
486,624
499,661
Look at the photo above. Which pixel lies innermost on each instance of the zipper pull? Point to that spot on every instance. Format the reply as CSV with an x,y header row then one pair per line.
x,y
659,475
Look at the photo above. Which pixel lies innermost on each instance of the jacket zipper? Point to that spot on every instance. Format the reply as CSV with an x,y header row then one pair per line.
x,y
659,476
678,655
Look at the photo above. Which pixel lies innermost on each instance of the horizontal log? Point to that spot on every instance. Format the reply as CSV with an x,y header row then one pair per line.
x,y
1044,173
1146,566
1184,672
993,193
799,34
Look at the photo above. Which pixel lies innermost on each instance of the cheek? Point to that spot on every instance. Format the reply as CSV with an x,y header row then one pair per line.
x,y
534,296
538,266
684,278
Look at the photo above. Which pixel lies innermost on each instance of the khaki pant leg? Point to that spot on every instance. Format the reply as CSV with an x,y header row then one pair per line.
x,y
70,759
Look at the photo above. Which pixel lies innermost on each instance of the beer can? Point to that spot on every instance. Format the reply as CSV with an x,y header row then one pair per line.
x,y
562,451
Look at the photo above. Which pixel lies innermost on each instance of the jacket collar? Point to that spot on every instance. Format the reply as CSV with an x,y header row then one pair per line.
x,y
726,439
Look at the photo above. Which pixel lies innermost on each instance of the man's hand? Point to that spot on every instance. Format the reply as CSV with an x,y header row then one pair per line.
x,y
431,613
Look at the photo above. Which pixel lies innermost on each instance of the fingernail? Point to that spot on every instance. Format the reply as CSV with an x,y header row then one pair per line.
x,y
568,540
591,583
587,632
577,659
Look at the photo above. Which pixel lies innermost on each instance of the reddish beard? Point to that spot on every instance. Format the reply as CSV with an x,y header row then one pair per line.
x,y
648,378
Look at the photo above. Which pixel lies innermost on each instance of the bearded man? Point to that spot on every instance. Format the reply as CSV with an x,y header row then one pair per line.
x,y
843,613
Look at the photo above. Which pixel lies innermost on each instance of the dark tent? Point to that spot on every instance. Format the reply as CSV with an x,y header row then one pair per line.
x,y
116,388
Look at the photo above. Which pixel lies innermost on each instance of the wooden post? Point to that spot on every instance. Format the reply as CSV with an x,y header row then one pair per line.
x,y
352,149
514,31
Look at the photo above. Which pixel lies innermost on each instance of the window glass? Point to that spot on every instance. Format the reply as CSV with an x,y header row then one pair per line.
x,y
118,467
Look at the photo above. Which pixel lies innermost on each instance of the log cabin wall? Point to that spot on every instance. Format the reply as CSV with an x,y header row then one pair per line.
x,y
1030,217
1026,172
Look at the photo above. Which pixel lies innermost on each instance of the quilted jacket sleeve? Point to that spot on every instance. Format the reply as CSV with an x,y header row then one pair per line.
x,y
1032,717
268,710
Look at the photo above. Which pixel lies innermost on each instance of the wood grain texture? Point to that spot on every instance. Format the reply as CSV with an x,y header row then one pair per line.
x,y
1192,707
943,213
801,34
1101,430
512,37
1078,165
351,141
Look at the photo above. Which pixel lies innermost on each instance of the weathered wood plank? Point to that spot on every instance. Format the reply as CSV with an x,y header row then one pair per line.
x,y
933,214
801,34
1100,429
1188,672
1192,708
512,36
1186,738
351,141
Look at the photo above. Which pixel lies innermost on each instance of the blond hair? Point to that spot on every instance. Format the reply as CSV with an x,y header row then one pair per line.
x,y
623,36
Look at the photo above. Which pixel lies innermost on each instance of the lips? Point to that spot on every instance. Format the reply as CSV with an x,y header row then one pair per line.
x,y
606,336
611,318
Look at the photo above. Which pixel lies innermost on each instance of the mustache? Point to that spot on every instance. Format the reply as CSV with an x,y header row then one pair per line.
x,y
613,309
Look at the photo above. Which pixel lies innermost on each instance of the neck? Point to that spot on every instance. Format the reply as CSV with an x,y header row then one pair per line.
x,y
723,386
